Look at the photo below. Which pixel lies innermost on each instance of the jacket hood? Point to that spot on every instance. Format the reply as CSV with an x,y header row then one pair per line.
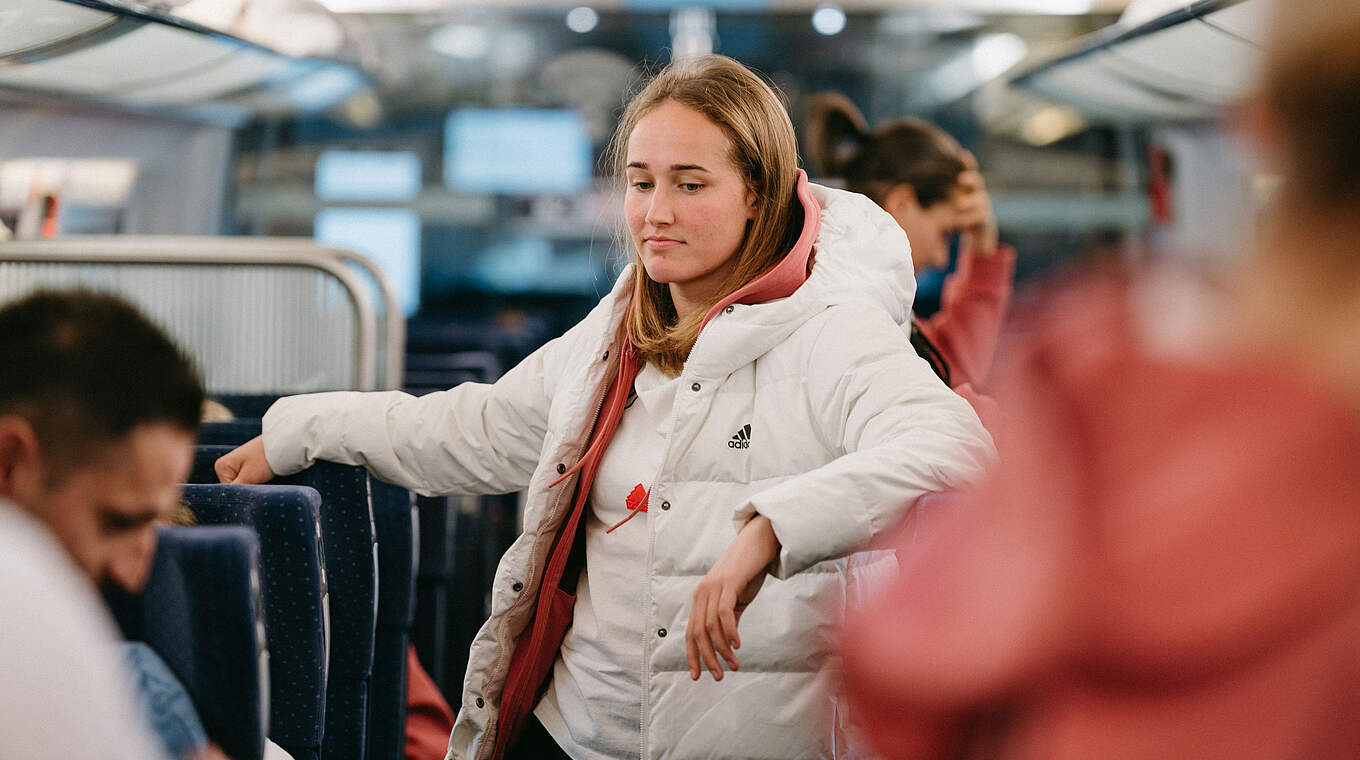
x,y
862,253
861,256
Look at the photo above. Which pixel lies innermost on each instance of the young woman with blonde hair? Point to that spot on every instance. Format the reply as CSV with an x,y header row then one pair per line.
x,y
741,405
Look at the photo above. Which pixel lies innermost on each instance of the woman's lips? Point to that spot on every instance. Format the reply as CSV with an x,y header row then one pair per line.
x,y
661,244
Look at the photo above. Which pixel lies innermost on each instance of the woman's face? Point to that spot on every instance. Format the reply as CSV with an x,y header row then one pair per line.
x,y
687,205
928,228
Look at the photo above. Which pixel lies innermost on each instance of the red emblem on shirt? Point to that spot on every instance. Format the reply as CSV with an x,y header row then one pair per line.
x,y
637,500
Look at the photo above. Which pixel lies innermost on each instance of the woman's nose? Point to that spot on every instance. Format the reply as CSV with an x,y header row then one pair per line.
x,y
659,211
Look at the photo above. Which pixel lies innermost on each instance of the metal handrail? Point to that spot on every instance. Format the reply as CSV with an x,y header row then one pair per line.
x,y
394,345
201,251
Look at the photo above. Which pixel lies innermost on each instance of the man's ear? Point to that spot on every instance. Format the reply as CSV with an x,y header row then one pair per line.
x,y
20,457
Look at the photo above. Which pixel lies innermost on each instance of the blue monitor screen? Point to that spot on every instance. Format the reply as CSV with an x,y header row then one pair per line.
x,y
389,237
367,175
516,151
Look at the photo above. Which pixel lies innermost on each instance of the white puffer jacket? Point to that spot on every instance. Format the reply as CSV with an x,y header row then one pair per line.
x,y
847,427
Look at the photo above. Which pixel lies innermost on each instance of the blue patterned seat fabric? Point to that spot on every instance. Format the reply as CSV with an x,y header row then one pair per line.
x,y
292,569
200,611
350,545
394,515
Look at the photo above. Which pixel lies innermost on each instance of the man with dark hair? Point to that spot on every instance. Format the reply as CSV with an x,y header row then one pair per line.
x,y
97,417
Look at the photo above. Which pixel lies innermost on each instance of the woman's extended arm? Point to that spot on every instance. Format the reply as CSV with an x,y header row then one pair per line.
x,y
474,438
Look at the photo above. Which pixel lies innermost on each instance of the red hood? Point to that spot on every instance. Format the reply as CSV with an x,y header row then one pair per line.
x,y
792,271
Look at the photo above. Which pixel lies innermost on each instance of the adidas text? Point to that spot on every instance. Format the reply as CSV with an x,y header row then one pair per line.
x,y
742,440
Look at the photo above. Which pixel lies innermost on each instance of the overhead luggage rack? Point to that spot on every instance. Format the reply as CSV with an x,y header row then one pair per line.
x,y
1183,65
256,314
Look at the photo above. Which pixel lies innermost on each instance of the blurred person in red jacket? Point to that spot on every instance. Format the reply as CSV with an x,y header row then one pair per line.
x,y
928,183
1169,563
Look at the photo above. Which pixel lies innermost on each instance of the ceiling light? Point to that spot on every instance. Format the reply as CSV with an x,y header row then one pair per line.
x,y
989,56
386,6
461,41
828,19
994,55
582,19
1039,7
1051,124
693,33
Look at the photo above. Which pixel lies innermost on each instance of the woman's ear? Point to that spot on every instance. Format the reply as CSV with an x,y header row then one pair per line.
x,y
901,201
752,204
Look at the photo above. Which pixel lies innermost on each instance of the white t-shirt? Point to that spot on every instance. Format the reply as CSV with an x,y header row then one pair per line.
x,y
63,691
593,705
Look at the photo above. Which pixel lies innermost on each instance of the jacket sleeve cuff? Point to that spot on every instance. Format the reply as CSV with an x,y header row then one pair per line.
x,y
287,430
999,267
805,536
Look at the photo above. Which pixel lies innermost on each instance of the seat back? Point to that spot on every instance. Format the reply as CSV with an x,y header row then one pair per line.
x,y
287,520
246,405
351,569
200,611
232,433
255,314
430,632
395,517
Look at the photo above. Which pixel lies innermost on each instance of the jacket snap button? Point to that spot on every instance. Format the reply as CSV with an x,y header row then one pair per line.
x,y
661,632
730,309
695,387
665,505
480,703
561,469
517,587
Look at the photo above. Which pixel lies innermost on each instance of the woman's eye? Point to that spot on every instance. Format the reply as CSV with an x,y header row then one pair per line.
x,y
692,187
642,185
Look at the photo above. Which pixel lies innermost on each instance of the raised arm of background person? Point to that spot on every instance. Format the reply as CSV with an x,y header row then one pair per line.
x,y
473,438
899,431
972,308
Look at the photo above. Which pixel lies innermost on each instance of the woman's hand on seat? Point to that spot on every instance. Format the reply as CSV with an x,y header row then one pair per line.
x,y
723,595
245,465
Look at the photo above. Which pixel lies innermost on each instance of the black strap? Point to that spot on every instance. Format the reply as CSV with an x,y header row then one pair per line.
x,y
927,350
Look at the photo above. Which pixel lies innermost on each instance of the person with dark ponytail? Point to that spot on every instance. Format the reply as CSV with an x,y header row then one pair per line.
x,y
932,187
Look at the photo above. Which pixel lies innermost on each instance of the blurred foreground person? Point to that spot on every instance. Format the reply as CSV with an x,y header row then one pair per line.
x,y
932,188
1169,566
97,417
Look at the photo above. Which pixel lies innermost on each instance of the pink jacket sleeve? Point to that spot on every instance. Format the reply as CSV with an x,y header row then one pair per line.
x,y
972,307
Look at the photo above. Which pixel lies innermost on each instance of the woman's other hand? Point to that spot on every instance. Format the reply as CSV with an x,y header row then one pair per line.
x,y
245,465
722,596
973,210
